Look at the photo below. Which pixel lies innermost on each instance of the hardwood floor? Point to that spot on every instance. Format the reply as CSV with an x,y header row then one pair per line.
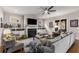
x,y
74,48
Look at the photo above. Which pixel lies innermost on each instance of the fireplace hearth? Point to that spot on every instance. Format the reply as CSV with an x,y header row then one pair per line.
x,y
32,32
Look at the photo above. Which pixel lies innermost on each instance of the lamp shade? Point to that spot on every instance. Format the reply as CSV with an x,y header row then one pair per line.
x,y
7,31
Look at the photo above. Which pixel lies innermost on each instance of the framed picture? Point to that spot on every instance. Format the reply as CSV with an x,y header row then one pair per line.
x,y
74,23
51,24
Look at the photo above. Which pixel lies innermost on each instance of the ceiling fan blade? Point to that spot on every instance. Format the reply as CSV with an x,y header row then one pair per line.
x,y
43,13
50,7
48,12
52,10
43,9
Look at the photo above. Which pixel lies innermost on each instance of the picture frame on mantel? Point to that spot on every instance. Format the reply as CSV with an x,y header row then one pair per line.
x,y
74,23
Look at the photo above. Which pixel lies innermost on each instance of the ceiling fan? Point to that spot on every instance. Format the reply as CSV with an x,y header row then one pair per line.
x,y
48,10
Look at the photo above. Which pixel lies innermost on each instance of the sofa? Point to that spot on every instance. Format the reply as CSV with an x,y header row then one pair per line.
x,y
59,44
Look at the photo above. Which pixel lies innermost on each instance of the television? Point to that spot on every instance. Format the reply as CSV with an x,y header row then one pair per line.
x,y
31,21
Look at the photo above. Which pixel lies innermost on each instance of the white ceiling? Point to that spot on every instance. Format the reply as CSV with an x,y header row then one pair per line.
x,y
62,10
23,10
37,10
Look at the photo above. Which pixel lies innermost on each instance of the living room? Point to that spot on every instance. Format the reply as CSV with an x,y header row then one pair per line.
x,y
38,29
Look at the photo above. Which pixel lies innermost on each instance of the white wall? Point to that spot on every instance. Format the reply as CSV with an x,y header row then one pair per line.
x,y
71,16
32,26
1,13
7,18
46,24
28,16
1,16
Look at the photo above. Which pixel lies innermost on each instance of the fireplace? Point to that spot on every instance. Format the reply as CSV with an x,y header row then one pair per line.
x,y
32,32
